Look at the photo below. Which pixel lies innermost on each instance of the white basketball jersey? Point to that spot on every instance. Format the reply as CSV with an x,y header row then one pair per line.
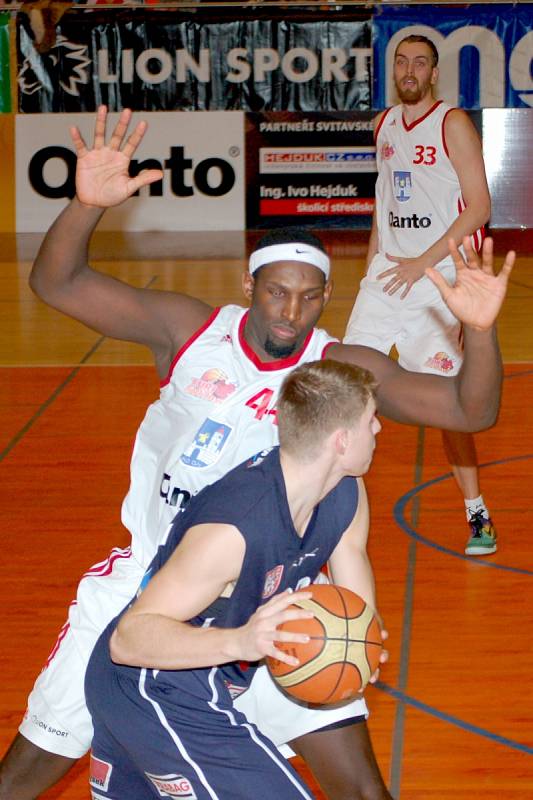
x,y
418,195
217,407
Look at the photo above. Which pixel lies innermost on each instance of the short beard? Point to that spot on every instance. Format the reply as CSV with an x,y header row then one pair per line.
x,y
410,97
278,350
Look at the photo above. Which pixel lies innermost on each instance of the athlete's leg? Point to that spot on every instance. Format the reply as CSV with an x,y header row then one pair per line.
x,y
431,342
461,453
27,770
343,762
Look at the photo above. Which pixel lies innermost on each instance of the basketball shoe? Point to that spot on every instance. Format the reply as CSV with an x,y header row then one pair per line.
x,y
483,537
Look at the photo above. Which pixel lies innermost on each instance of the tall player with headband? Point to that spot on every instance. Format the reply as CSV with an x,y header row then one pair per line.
x,y
221,370
431,187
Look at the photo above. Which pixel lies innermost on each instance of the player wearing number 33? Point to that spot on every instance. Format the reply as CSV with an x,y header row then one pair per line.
x,y
431,187
260,533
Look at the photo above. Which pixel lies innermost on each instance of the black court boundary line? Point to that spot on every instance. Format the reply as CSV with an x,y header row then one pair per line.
x,y
50,400
55,394
399,694
405,646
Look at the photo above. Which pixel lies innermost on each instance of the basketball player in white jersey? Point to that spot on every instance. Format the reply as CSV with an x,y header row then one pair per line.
x,y
431,187
221,370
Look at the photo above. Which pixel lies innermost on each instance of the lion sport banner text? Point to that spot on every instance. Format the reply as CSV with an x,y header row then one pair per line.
x,y
157,61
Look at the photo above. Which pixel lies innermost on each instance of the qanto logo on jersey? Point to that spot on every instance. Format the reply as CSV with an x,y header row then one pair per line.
x,y
207,445
402,185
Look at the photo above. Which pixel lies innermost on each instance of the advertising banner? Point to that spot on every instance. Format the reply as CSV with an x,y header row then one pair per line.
x,y
310,169
485,52
202,187
5,83
157,61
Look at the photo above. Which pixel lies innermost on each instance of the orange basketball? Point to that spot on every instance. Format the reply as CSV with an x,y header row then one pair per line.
x,y
343,650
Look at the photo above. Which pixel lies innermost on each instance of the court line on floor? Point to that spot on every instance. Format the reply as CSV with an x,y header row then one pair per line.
x,y
405,639
399,516
57,391
445,717
48,402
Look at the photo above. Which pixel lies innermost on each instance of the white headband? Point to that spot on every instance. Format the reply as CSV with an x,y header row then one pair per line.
x,y
291,251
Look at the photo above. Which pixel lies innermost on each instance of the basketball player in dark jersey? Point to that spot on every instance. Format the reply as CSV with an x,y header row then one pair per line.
x,y
160,682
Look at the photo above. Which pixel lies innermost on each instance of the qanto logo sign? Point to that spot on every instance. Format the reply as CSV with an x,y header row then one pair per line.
x,y
485,53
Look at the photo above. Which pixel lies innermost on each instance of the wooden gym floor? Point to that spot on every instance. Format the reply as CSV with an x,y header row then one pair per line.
x,y
453,714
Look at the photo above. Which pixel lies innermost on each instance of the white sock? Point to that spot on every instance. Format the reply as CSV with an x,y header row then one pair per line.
x,y
476,504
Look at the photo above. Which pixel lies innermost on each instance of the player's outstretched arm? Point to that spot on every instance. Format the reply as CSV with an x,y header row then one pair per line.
x,y
470,400
61,275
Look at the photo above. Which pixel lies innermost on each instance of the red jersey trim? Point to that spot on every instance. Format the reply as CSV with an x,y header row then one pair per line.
x,y
326,348
443,133
477,236
187,344
380,123
420,119
269,366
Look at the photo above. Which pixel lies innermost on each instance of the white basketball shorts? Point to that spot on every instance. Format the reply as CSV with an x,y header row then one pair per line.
x,y
57,719
426,334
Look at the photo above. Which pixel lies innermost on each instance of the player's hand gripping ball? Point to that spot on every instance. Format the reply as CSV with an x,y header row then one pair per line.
x,y
343,650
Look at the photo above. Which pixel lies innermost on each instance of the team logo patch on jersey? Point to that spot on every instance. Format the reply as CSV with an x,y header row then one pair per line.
x,y
387,151
402,185
173,786
213,386
226,338
99,773
207,445
440,361
272,581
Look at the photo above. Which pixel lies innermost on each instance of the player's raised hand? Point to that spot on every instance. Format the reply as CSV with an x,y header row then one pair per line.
x,y
478,293
257,638
102,176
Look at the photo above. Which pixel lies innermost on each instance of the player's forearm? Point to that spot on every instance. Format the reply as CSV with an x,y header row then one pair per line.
x,y
64,251
356,573
469,221
158,642
480,379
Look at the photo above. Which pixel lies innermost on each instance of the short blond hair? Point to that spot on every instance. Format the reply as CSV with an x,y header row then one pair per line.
x,y
318,398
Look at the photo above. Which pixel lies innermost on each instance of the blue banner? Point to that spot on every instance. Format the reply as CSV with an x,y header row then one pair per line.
x,y
485,52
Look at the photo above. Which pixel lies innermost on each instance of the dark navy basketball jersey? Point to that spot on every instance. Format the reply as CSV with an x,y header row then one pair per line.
x,y
183,727
252,497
